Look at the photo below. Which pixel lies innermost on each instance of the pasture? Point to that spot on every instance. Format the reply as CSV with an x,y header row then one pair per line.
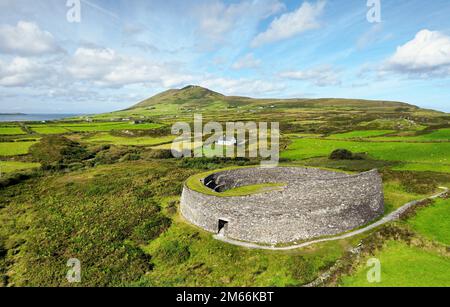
x,y
433,156
404,266
104,138
11,130
434,222
13,166
14,148
360,134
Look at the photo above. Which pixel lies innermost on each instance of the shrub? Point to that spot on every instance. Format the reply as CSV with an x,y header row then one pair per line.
x,y
57,152
159,154
216,162
341,154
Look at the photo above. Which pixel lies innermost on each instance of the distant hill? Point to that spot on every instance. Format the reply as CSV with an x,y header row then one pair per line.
x,y
198,97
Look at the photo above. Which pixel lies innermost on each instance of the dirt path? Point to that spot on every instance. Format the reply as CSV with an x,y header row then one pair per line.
x,y
388,218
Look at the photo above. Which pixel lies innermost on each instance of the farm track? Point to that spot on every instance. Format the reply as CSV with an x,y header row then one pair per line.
x,y
388,218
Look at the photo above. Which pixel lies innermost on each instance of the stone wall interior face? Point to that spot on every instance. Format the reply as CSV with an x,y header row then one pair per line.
x,y
313,203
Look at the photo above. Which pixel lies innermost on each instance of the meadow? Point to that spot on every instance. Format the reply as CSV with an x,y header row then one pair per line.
x,y
130,141
434,222
430,156
91,127
111,196
14,166
14,148
405,266
10,130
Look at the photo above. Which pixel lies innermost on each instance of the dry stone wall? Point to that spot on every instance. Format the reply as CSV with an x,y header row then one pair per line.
x,y
312,204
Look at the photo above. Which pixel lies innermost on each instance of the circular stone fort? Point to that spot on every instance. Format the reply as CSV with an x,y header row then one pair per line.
x,y
283,204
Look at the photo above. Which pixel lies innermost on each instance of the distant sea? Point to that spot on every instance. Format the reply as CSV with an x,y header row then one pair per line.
x,y
33,117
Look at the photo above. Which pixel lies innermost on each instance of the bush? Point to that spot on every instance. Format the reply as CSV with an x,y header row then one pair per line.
x,y
159,154
114,154
216,162
56,152
341,154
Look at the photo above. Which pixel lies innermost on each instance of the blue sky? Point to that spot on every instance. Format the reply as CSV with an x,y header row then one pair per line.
x,y
124,51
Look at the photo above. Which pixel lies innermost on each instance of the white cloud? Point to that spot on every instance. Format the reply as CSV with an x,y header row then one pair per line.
x,y
320,76
27,39
217,19
242,87
305,18
246,62
20,72
106,67
427,54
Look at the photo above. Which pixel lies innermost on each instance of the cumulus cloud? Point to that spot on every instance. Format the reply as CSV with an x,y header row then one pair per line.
x,y
320,76
246,62
428,54
217,19
106,67
27,39
20,72
242,86
305,18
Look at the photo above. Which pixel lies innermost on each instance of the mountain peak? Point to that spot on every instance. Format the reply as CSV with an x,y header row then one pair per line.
x,y
187,94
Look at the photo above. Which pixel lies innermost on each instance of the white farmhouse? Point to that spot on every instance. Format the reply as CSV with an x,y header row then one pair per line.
x,y
226,141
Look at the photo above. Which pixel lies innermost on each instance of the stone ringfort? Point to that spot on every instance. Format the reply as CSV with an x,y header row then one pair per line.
x,y
308,203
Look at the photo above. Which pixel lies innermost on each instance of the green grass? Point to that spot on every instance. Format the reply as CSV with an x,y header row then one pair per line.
x,y
195,183
11,130
360,134
13,166
48,129
14,148
131,141
437,136
434,222
187,256
393,124
423,167
395,196
91,127
433,153
404,266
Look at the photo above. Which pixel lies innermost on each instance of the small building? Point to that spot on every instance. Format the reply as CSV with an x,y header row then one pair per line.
x,y
226,141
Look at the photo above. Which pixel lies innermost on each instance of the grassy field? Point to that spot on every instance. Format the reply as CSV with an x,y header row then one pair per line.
x,y
186,257
360,134
423,167
48,129
433,154
434,222
11,130
13,166
14,148
404,266
437,135
116,208
91,127
121,221
105,138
